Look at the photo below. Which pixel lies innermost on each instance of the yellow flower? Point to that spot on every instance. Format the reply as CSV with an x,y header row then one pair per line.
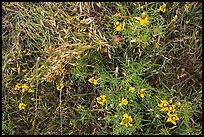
x,y
60,86
118,25
78,56
30,90
17,87
141,92
93,81
124,101
126,120
61,71
162,8
101,100
143,18
131,89
164,105
171,108
21,106
24,87
172,118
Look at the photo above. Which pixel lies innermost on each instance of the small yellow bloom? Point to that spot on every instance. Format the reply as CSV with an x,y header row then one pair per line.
x,y
162,8
24,87
30,90
126,120
78,56
124,101
141,92
93,81
171,108
143,19
21,106
101,100
18,86
60,86
61,71
164,105
118,25
172,118
131,89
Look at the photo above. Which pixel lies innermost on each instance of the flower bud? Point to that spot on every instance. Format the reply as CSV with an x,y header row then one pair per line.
x,y
143,15
164,6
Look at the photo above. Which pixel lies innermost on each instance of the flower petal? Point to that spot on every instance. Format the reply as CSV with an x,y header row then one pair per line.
x,y
142,95
118,28
173,122
168,120
125,115
164,109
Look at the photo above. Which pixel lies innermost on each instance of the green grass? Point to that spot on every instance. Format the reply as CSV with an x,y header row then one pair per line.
x,y
47,44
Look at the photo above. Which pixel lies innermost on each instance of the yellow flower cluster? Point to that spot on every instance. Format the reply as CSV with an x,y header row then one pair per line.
x,y
24,88
165,106
142,18
127,119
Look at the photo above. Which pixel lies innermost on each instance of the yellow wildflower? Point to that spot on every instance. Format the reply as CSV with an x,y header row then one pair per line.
x,y
17,87
172,118
132,89
101,100
143,18
164,105
124,101
126,120
60,86
30,90
61,71
118,25
93,81
21,106
162,8
141,92
24,87
171,108
78,56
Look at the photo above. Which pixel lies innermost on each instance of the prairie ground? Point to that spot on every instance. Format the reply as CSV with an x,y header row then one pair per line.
x,y
92,68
